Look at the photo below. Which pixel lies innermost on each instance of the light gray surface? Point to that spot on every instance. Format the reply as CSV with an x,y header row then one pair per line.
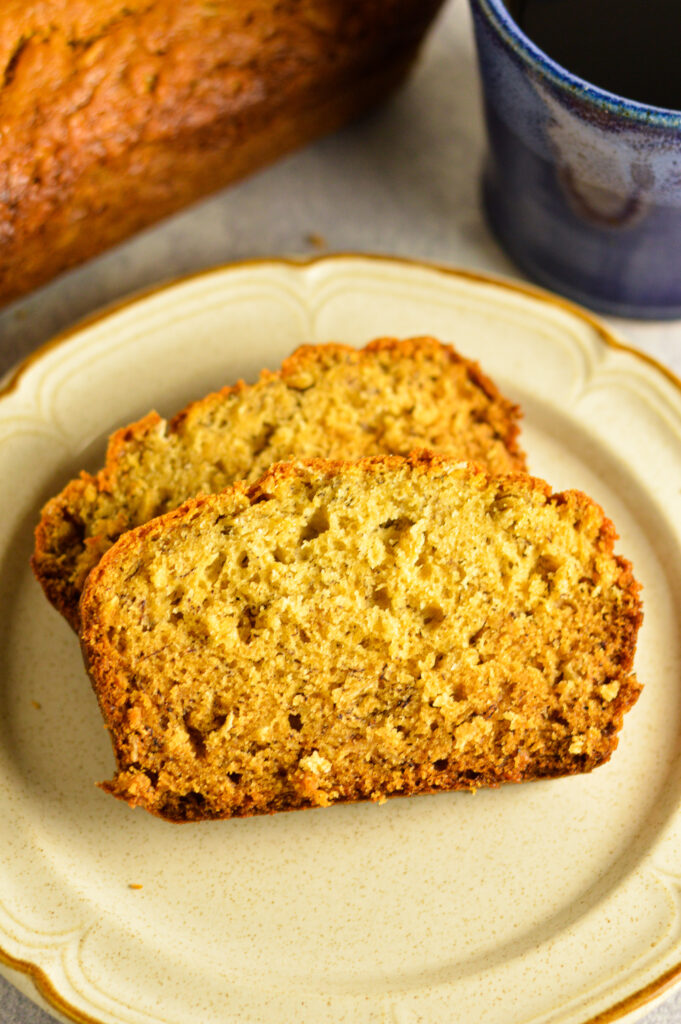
x,y
403,181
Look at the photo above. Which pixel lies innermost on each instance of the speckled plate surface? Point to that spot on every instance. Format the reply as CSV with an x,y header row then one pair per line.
x,y
549,903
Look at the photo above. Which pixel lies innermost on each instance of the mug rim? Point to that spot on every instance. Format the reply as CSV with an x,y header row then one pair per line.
x,y
533,56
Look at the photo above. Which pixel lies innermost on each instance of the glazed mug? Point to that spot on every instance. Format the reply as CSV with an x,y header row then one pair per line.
x,y
581,187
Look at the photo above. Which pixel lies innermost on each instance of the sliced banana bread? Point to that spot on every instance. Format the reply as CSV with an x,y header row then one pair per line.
x,y
327,400
344,631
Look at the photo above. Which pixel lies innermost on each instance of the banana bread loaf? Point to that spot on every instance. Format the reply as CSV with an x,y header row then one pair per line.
x,y
115,114
328,400
344,631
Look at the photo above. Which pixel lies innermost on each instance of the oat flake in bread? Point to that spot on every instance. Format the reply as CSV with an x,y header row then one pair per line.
x,y
114,114
349,631
327,400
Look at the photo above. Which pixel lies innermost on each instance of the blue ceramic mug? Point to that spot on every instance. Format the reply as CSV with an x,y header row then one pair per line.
x,y
581,187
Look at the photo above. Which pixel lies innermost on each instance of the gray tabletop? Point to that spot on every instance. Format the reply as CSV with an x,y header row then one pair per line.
x,y
404,181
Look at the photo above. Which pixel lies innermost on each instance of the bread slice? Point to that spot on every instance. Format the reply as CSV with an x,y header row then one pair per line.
x,y
343,631
327,400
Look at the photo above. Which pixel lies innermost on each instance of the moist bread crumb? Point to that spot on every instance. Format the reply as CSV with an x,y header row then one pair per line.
x,y
341,632
326,400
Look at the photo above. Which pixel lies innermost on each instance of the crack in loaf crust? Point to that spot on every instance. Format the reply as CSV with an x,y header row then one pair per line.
x,y
326,400
340,632
114,114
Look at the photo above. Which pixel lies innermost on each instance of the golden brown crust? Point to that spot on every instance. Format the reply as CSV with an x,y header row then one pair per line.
x,y
69,541
113,115
139,786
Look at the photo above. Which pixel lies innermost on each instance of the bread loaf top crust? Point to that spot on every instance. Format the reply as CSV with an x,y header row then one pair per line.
x,y
326,400
115,114
344,631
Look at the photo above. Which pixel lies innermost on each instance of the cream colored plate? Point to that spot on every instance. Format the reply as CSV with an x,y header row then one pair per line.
x,y
547,903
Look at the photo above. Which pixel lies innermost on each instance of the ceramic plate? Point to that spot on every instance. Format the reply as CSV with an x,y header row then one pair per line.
x,y
551,903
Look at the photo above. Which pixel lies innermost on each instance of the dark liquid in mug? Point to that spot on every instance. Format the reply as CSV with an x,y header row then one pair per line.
x,y
629,47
